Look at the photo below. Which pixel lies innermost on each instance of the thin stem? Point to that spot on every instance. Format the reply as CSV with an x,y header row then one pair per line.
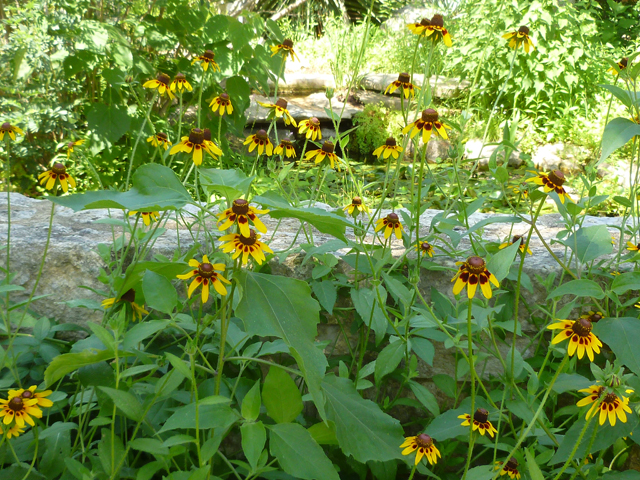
x,y
577,445
472,374
413,471
135,145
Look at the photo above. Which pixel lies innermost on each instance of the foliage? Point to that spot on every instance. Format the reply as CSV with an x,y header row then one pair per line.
x,y
373,130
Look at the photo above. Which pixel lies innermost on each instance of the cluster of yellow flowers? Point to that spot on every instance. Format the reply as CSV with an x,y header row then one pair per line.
x,y
19,407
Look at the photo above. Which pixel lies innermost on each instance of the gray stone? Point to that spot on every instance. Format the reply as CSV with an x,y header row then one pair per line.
x,y
560,156
474,151
300,108
441,87
303,82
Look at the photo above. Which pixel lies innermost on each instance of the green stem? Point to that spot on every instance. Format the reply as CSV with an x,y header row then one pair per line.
x,y
472,375
224,323
576,446
135,145
586,453
413,471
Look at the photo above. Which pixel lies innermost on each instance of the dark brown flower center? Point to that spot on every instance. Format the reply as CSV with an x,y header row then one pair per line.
x,y
425,22
196,136
209,55
262,135
180,77
58,168
524,29
610,398
70,145
288,43
517,239
556,177
282,103
404,78
129,296
240,206
582,327
423,440
437,20
476,265
356,201
481,415
328,147
393,218
512,463
595,317
286,143
425,246
250,240
6,126
27,394
205,270
161,136
313,121
391,142
16,404
623,63
429,115
163,78
224,97
207,134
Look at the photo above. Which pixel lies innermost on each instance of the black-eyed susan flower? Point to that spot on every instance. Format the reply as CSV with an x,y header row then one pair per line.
x,y
163,83
32,393
436,31
510,468
427,123
11,130
615,273
285,148
593,317
221,103
261,140
279,110
286,47
205,274
425,248
19,409
194,142
129,296
311,127
516,239
13,431
241,212
480,422
325,152
159,140
404,81
391,224
521,37
180,83
552,181
356,207
419,28
423,446
470,274
611,408
245,246
390,147
622,64
57,172
147,217
70,146
633,247
580,337
206,59
519,190
210,144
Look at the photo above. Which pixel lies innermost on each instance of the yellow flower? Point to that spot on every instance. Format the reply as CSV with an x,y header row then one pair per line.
x,y
511,469
286,47
209,144
129,296
14,431
70,146
390,223
241,212
580,335
471,273
480,422
31,393
632,247
419,28
521,37
245,246
356,206
206,59
425,248
612,406
19,409
325,152
159,140
147,217
221,102
206,275
622,64
279,109
57,172
312,127
404,81
161,82
196,142
593,317
519,239
286,149
11,130
427,123
180,83
423,446
553,181
261,140
436,30
390,147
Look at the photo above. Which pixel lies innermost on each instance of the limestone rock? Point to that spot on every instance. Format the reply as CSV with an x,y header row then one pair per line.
x,y
560,156
441,87
474,150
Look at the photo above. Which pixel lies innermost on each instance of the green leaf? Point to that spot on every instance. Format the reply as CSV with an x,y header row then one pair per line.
x,y
70,362
365,301
626,475
532,466
158,292
155,187
126,403
324,433
425,397
423,348
364,431
283,307
251,403
149,445
579,288
500,263
254,437
108,123
447,425
210,415
326,293
571,382
298,454
621,334
388,359
625,282
231,184
281,396
617,134
56,429
179,364
141,331
588,243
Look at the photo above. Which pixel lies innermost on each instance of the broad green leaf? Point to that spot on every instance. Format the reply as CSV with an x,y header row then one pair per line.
x,y
423,348
70,362
621,334
366,303
579,288
571,382
298,453
159,293
281,396
126,403
617,134
625,282
283,307
324,433
254,437
56,429
532,466
251,403
425,397
447,425
588,243
364,431
155,187
384,470
136,271
231,184
141,331
482,472
500,263
179,364
108,122
210,415
149,445
326,293
389,358
626,475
